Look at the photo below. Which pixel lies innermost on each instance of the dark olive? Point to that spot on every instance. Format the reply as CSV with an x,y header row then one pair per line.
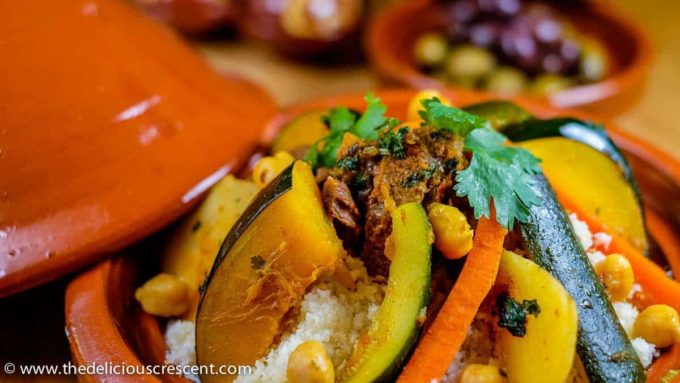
x,y
486,34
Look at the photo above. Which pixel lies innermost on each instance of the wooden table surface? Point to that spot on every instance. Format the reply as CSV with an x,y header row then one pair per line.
x,y
31,324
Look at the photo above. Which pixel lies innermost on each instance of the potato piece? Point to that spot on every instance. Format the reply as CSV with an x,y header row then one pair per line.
x,y
546,352
194,244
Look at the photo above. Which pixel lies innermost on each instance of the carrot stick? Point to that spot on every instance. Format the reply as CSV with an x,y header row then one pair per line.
x,y
438,347
656,285
668,361
666,238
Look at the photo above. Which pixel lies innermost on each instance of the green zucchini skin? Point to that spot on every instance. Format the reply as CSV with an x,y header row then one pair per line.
x,y
587,133
602,344
395,328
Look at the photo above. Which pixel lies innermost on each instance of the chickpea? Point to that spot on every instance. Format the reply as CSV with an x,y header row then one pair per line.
x,y
267,168
452,232
467,63
616,273
658,324
430,49
481,373
309,363
164,295
415,105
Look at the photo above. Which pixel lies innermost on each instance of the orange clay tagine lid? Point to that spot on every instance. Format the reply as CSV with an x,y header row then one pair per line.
x,y
110,128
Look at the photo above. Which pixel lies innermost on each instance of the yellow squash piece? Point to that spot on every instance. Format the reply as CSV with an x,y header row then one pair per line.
x,y
281,245
546,352
194,245
302,132
593,181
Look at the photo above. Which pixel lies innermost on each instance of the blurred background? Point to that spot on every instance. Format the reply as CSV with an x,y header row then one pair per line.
x,y
293,67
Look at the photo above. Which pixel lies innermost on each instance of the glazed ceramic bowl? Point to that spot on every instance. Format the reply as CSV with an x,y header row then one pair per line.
x,y
391,36
105,324
105,141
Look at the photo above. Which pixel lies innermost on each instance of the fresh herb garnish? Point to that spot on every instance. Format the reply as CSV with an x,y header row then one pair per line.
x,y
348,163
342,120
359,181
454,120
497,172
513,314
500,173
371,120
391,143
418,176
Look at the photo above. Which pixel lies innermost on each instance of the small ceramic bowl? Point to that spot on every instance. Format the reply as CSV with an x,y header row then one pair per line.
x,y
391,37
105,324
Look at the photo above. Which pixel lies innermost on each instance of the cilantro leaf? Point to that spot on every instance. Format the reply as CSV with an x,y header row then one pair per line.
x,y
342,120
371,120
454,120
513,314
391,143
500,173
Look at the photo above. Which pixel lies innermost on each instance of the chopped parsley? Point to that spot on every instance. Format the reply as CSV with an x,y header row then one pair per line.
x,y
348,163
391,143
360,180
341,120
418,176
513,314
498,173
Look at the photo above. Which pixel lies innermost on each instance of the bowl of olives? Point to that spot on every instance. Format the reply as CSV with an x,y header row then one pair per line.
x,y
570,54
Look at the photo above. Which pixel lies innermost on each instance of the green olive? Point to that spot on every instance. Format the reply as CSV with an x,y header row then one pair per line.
x,y
468,63
593,64
550,83
506,80
430,49
310,363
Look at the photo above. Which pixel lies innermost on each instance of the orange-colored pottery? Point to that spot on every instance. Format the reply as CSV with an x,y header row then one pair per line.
x,y
391,36
104,322
191,16
110,128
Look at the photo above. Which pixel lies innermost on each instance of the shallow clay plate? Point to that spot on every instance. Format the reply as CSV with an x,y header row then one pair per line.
x,y
110,128
105,324
391,36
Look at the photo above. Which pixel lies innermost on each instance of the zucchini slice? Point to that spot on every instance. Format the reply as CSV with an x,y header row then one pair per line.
x,y
602,344
387,343
281,244
587,133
